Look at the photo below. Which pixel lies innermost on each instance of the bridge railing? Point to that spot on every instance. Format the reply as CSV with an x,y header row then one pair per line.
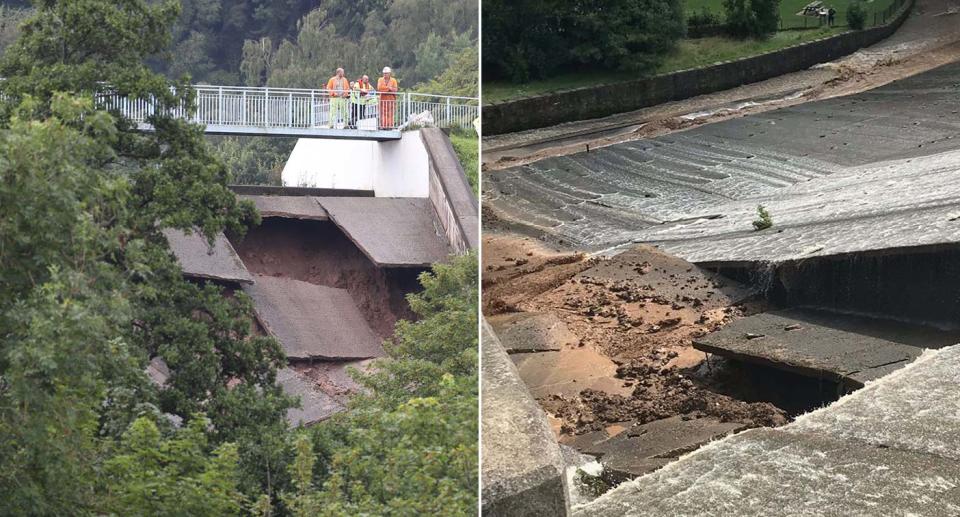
x,y
294,108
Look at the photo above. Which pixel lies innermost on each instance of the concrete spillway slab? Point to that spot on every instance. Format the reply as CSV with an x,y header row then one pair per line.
x,y
770,472
521,470
313,321
695,192
793,341
915,408
289,207
200,260
890,448
315,405
532,332
392,232
645,448
670,277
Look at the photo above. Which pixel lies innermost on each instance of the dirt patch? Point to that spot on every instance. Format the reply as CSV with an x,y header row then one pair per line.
x,y
641,310
515,268
319,253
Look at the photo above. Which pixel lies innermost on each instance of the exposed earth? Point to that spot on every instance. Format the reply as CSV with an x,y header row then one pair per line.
x,y
605,345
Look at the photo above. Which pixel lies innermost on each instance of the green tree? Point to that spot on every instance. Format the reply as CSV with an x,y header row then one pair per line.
x,y
152,475
752,18
856,15
526,39
418,417
88,228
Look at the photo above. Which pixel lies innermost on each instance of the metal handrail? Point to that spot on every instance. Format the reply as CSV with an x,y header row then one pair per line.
x,y
237,107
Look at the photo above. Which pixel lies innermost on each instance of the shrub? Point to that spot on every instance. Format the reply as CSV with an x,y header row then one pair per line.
x,y
752,18
703,18
856,15
764,220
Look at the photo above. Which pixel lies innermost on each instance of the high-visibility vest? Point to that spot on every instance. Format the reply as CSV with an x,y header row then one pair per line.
x,y
338,86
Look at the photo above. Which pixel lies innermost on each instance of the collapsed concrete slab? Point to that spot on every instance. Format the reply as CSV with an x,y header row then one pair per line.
x,y
522,468
392,232
288,207
532,332
200,260
315,405
312,321
670,277
887,449
795,341
645,448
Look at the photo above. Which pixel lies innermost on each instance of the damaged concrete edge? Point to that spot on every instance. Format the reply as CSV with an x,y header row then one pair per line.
x,y
270,190
454,203
679,464
522,470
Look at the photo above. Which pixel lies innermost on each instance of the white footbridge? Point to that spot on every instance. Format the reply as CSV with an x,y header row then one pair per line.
x,y
305,113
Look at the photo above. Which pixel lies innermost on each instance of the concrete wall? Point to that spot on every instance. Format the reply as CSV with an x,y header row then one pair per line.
x,y
453,200
397,168
522,469
587,103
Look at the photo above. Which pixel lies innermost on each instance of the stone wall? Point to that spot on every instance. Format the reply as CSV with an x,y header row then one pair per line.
x,y
587,103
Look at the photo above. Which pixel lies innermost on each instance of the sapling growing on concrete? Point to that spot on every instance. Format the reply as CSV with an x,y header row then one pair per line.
x,y
764,220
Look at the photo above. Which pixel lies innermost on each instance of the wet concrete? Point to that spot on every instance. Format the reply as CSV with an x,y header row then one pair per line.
x,y
888,449
794,341
706,182
532,332
641,449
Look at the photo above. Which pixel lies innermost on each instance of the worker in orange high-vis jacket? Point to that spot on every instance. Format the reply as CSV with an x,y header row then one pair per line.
x,y
387,86
338,88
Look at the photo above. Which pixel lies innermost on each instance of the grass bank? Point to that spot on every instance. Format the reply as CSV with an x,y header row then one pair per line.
x,y
690,53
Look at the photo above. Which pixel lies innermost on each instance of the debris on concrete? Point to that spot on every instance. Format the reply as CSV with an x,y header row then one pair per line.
x,y
315,405
532,332
888,449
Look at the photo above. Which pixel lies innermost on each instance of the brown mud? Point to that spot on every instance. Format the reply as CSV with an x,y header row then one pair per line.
x,y
640,311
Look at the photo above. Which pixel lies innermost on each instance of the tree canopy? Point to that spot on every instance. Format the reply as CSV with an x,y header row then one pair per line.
x,y
531,39
90,292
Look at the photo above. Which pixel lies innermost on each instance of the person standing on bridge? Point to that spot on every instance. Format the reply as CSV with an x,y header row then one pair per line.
x,y
359,95
388,87
338,88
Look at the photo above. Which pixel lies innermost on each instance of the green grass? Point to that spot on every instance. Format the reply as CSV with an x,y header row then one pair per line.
x,y
690,53
467,147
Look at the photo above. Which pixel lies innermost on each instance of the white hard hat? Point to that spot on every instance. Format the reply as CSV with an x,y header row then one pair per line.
x,y
387,70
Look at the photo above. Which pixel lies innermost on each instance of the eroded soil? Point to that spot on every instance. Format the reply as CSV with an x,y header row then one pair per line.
x,y
634,317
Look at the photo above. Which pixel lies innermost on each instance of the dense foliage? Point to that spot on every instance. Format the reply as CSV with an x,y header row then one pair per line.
x,y
531,39
89,293
409,447
856,15
752,18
